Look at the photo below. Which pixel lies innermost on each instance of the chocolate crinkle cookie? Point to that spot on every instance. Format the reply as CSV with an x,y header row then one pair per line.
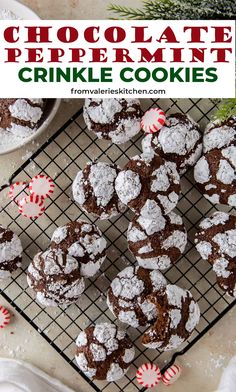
x,y
115,119
83,241
141,297
178,141
178,316
149,185
128,293
94,190
55,277
104,352
215,172
19,118
216,243
10,252
157,243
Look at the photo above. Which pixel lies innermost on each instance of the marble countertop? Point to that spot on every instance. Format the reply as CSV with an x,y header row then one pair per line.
x,y
204,363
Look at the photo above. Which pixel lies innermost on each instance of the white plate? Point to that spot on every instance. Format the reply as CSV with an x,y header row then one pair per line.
x,y
23,12
20,10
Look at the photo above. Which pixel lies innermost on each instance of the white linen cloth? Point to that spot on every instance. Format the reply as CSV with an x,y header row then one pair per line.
x,y
228,379
18,376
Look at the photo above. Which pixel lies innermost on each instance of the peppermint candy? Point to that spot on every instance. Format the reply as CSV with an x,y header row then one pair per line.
x,y
5,317
171,375
148,375
42,186
32,207
153,120
18,191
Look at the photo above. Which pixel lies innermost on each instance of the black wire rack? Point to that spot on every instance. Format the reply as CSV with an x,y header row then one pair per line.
x,y
67,151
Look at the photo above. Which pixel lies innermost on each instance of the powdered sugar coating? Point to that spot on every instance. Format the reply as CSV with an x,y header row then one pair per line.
x,y
7,15
128,186
220,267
215,174
219,231
148,178
104,352
202,171
218,136
155,240
127,285
205,249
217,218
179,141
19,119
55,278
117,119
171,329
22,110
10,252
127,295
83,241
94,189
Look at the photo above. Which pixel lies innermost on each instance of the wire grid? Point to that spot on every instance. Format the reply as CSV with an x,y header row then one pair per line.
x,y
61,158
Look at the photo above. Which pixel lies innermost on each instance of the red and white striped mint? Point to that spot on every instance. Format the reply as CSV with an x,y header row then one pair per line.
x,y
148,375
153,120
171,375
18,191
5,317
42,186
31,206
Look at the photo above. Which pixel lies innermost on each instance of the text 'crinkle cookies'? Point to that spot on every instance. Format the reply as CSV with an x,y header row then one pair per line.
x,y
115,119
104,352
141,297
216,243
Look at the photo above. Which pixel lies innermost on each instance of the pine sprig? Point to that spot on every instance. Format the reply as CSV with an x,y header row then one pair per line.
x,y
226,109
179,9
126,12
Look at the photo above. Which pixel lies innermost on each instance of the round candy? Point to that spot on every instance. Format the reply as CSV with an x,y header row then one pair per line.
x,y
18,191
31,206
42,186
172,374
153,120
4,317
148,375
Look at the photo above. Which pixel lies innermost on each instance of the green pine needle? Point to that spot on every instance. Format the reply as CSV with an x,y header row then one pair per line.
x,y
126,12
226,109
178,9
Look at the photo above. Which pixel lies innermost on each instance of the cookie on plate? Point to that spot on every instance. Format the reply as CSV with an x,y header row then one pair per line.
x,y
216,243
104,352
178,141
83,241
157,243
149,185
10,252
20,117
94,190
115,119
55,277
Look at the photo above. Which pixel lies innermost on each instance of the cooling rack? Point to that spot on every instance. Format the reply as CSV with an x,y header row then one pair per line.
x,y
67,151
